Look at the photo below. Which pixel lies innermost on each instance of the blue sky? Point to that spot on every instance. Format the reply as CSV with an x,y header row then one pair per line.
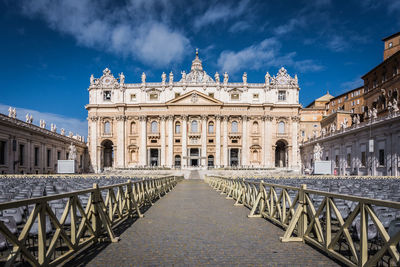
x,y
49,48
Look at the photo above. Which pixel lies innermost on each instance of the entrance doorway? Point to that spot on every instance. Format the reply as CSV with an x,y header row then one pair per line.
x,y
234,157
194,157
177,161
153,157
280,154
210,161
108,153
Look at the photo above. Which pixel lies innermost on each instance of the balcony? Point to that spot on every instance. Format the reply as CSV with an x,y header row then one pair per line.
x,y
153,135
235,135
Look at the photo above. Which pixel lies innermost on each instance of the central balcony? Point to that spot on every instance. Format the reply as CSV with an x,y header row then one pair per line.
x,y
235,135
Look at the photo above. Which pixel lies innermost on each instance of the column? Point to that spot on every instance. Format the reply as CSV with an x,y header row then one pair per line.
x,y
204,141
184,140
120,141
162,128
225,141
93,135
170,160
244,140
143,141
267,141
218,141
263,158
294,162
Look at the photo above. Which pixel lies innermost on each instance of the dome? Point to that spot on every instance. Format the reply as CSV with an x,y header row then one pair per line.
x,y
197,74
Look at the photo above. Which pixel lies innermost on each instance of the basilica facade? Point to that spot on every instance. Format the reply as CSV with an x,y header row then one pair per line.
x,y
195,121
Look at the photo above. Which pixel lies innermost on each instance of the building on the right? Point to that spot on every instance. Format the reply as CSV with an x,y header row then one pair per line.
x,y
360,130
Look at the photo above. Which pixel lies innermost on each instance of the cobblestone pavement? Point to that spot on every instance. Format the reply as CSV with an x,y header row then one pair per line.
x,y
195,226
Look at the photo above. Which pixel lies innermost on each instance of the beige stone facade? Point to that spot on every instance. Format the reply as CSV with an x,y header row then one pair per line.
x,y
197,121
29,149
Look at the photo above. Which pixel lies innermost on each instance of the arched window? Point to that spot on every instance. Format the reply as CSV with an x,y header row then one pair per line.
x,y
255,127
177,127
235,127
211,127
107,127
154,127
195,127
281,127
133,127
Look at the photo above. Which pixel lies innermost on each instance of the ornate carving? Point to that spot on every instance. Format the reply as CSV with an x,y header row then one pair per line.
x,y
244,78
226,78
12,113
245,118
120,118
204,117
163,118
184,117
218,117
93,118
283,78
295,118
317,152
197,74
194,98
142,118
171,117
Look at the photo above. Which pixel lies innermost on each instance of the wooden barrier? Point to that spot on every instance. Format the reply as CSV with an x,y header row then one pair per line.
x,y
314,216
80,224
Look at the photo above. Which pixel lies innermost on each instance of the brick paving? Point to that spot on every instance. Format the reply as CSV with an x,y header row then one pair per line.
x,y
196,226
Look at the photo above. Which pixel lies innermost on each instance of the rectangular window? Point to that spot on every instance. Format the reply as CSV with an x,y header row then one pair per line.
x,y
177,140
211,95
153,97
48,157
107,95
255,96
363,159
235,96
177,95
80,160
153,141
234,141
381,157
58,155
348,160
358,101
21,154
133,97
337,160
2,152
281,95
210,141
36,156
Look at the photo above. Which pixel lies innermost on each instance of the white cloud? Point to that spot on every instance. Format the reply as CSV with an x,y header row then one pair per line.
x,y
293,24
239,26
262,55
133,29
220,12
337,43
349,85
69,124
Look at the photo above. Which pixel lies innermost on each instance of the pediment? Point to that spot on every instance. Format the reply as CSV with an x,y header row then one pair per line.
x,y
194,98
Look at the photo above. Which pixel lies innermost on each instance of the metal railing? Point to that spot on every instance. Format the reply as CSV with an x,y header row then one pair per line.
x,y
48,238
357,237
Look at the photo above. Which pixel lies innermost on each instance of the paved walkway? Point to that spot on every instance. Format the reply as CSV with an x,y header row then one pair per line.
x,y
195,226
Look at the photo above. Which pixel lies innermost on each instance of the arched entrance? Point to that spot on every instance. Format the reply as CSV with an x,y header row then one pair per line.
x,y
281,154
108,153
